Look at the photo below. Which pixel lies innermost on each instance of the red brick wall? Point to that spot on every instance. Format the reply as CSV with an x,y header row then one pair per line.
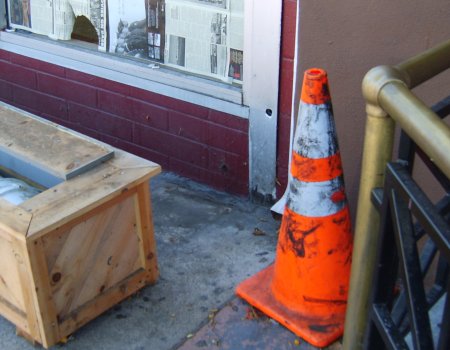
x,y
193,141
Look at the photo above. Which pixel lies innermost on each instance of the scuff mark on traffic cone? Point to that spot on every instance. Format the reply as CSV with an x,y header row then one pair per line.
x,y
306,288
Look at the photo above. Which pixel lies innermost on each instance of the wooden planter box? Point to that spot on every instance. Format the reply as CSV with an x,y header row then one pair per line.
x,y
80,246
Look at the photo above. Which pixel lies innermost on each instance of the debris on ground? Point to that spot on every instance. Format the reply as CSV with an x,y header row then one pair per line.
x,y
258,232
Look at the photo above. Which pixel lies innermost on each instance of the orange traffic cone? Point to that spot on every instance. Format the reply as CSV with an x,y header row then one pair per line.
x,y
306,289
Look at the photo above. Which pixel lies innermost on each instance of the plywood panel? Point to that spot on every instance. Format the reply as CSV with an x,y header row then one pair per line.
x,y
43,145
10,287
92,256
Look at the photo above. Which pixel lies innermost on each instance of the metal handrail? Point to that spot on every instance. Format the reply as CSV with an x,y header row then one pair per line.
x,y
389,99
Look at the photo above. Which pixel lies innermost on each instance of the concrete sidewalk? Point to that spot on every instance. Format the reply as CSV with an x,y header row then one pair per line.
x,y
208,241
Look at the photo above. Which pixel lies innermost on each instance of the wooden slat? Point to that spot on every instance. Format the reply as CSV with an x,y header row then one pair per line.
x,y
46,146
70,199
145,230
104,301
14,220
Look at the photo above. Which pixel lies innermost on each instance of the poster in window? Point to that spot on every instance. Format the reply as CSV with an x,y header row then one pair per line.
x,y
236,67
128,28
156,29
32,15
95,12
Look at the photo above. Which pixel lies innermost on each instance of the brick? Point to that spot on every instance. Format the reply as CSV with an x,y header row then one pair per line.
x,y
17,75
6,91
228,165
288,29
226,139
86,131
38,65
188,127
101,83
286,80
215,180
39,102
5,55
114,103
149,114
142,152
67,89
171,145
100,121
58,121
113,86
170,103
228,120
81,77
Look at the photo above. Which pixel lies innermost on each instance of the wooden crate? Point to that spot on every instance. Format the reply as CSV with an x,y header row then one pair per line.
x,y
82,245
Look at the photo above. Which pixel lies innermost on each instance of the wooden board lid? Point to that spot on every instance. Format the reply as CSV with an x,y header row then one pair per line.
x,y
36,148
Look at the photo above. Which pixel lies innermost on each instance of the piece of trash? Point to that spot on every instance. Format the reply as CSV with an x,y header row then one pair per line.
x,y
253,314
189,336
296,342
258,232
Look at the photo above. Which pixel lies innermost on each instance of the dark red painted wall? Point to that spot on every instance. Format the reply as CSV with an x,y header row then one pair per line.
x,y
285,98
193,141
202,144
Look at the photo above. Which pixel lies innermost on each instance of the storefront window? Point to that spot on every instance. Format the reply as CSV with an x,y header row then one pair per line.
x,y
202,37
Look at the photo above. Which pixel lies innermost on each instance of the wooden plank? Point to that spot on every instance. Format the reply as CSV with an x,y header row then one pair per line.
x,y
10,286
39,286
23,268
64,202
145,230
104,301
46,146
14,220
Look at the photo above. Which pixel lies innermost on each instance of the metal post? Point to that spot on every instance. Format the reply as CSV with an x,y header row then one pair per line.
x,y
378,145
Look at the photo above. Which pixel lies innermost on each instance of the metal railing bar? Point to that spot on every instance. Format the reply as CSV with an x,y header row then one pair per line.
x,y
410,267
444,337
437,173
442,108
426,65
424,127
387,329
423,209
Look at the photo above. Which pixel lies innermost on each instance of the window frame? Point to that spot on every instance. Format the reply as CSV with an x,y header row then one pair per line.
x,y
256,100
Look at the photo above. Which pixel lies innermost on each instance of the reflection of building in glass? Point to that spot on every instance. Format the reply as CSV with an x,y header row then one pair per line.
x,y
177,50
20,12
219,29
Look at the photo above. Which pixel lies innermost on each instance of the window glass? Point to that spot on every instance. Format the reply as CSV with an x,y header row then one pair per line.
x,y
202,37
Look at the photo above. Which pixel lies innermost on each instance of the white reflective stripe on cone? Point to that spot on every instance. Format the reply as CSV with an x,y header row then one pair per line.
x,y
315,135
316,199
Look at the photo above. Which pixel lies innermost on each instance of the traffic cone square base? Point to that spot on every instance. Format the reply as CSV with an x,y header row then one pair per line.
x,y
319,332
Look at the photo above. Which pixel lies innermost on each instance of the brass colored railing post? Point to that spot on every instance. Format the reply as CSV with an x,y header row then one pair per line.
x,y
377,151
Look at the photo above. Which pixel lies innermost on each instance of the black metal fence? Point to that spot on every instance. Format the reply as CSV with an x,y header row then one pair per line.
x,y
412,270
